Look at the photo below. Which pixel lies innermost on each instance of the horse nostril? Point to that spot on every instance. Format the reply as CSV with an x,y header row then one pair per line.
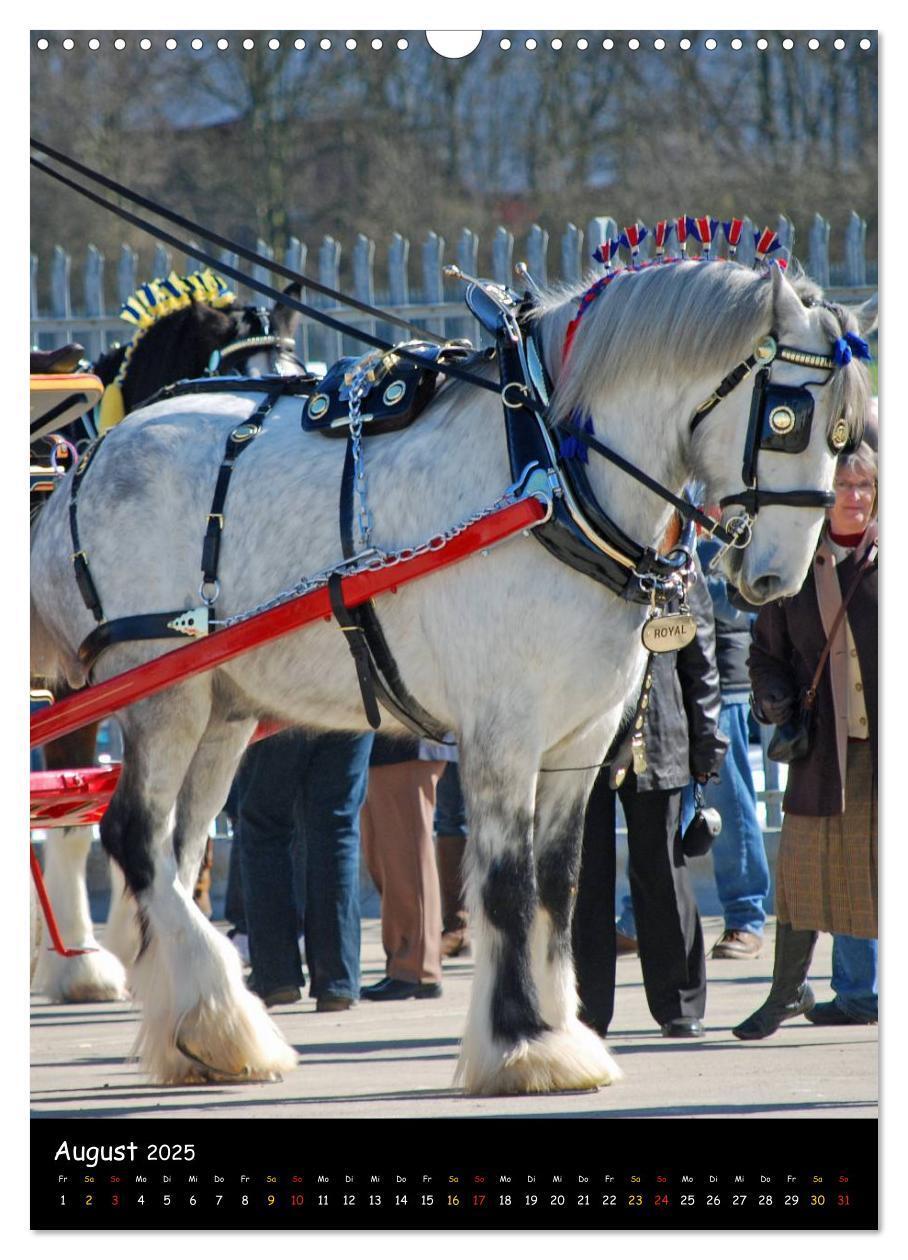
x,y
765,588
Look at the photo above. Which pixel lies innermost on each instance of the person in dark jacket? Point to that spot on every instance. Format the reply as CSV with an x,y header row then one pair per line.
x,y
682,738
826,873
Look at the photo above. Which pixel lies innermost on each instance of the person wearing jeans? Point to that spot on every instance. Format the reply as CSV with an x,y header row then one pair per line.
x,y
304,789
854,977
740,865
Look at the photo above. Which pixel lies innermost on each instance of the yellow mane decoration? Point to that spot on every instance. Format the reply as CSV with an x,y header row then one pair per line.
x,y
150,303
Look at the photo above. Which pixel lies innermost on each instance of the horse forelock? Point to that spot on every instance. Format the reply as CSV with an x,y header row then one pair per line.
x,y
669,324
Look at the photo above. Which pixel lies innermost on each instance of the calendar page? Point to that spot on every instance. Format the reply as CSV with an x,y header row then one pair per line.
x,y
454,617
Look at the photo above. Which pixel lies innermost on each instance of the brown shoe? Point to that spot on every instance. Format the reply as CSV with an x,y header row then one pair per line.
x,y
737,944
324,1005
456,943
625,944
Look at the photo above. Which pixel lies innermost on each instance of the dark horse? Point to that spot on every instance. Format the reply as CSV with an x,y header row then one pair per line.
x,y
230,340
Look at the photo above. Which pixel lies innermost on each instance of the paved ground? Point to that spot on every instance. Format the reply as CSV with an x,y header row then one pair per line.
x,y
397,1059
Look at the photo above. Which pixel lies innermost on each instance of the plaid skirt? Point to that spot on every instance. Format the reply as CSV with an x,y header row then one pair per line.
x,y
826,871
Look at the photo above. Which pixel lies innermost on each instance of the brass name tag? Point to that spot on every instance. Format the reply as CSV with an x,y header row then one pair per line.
x,y
668,633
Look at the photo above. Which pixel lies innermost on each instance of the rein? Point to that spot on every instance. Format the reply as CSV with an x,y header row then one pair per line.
x,y
267,290
249,255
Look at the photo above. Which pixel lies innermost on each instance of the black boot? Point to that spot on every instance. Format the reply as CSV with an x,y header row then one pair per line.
x,y
789,995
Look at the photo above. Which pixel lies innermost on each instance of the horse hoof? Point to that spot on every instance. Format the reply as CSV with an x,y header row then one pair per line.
x,y
94,977
217,1044
559,1061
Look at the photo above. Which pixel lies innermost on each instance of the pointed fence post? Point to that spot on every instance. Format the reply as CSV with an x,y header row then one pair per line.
x,y
398,260
818,250
260,272
93,283
161,263
398,280
503,256
598,230
329,255
33,285
363,260
60,299
126,273
468,252
855,244
468,261
572,254
295,259
432,280
747,253
786,234
537,247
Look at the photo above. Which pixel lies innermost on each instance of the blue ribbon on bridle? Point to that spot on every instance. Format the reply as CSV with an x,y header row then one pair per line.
x,y
571,447
849,347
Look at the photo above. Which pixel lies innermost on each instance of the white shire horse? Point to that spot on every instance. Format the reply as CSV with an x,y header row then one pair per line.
x,y
531,664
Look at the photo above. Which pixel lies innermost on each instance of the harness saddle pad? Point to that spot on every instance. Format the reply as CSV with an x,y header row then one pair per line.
x,y
398,390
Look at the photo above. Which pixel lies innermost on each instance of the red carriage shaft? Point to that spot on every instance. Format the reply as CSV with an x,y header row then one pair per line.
x,y
93,703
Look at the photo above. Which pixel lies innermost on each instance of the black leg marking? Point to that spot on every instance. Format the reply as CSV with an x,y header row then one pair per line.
x,y
509,900
126,834
557,871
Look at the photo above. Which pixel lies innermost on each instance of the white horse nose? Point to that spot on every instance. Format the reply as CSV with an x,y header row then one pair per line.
x,y
763,589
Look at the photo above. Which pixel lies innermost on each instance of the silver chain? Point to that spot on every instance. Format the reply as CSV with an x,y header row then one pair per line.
x,y
357,391
373,559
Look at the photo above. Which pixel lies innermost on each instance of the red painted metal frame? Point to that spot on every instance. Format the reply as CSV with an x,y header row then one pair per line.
x,y
93,703
71,798
56,939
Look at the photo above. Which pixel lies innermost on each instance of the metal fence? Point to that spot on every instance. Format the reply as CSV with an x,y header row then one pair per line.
x,y
414,288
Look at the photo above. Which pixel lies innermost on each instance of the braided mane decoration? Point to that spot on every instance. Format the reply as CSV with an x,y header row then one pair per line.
x,y
149,304
703,229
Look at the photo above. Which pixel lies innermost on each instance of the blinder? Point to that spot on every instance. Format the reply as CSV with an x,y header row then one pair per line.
x,y
780,420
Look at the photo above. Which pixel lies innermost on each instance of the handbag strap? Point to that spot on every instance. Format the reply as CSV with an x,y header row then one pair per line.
x,y
810,694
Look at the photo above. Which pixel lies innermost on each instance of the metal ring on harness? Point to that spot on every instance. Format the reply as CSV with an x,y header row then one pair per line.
x,y
210,600
514,406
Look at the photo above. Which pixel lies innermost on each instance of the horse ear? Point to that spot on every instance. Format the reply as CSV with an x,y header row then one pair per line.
x,y
284,319
867,314
787,307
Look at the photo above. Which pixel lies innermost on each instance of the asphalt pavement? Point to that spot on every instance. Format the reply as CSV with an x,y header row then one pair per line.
x,y
397,1059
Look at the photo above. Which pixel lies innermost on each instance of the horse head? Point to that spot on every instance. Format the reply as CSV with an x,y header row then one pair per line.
x,y
773,454
740,380
198,338
264,342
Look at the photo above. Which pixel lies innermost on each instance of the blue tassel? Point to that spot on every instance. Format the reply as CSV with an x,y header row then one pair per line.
x,y
859,346
841,351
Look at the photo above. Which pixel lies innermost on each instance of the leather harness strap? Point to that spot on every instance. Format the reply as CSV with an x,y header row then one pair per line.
x,y
176,624
381,677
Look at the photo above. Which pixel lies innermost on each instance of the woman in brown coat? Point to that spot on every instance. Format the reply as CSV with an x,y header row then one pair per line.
x,y
826,874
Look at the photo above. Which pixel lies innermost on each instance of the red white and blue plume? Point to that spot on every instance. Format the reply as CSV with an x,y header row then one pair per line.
x,y
631,238
661,233
766,243
733,230
681,230
605,253
704,231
